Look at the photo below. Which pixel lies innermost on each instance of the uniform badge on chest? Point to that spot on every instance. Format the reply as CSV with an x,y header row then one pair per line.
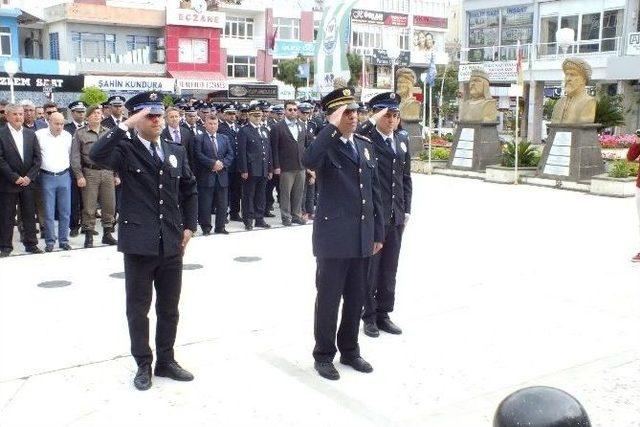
x,y
403,146
173,161
366,154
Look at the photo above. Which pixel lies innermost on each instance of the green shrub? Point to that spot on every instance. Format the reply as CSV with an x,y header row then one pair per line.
x,y
528,156
623,169
92,95
437,153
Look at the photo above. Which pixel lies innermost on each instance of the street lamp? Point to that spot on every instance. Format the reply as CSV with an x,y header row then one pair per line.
x,y
11,68
393,52
565,37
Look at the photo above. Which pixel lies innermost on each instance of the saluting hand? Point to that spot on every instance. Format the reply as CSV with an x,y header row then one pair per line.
x,y
137,118
377,116
186,236
377,246
335,117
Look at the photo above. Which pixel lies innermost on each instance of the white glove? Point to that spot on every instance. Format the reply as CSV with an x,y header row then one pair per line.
x,y
406,218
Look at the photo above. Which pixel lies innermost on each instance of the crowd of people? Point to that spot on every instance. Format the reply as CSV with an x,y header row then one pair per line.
x,y
47,175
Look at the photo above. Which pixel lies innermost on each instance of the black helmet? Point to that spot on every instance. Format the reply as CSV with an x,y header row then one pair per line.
x,y
541,407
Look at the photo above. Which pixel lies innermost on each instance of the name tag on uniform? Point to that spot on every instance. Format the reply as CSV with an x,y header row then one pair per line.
x,y
173,161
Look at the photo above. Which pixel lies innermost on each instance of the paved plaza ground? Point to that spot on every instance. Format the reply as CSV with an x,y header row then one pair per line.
x,y
499,287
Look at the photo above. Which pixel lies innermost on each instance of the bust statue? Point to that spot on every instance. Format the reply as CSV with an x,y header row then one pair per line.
x,y
480,106
576,106
410,107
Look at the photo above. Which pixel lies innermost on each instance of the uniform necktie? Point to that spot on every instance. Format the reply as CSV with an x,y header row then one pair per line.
x,y
389,142
176,136
354,150
154,154
215,145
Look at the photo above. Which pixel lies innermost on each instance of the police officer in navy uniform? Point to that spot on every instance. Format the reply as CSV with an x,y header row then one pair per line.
x,y
347,231
256,168
116,112
391,148
157,218
230,127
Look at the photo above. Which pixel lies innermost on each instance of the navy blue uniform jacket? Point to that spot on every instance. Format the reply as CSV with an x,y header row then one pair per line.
x,y
394,172
205,158
349,214
225,129
154,201
254,152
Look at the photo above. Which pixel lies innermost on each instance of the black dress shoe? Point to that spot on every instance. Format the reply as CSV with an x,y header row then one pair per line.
x,y
107,239
33,250
327,370
269,215
65,247
74,232
4,254
388,326
371,330
221,231
206,231
286,222
359,364
172,370
48,248
260,223
248,226
236,218
299,221
142,380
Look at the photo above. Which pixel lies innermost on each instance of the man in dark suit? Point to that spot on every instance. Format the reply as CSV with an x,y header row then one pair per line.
x,y
178,134
229,127
116,112
49,108
191,122
20,161
288,141
255,167
273,184
213,156
347,231
391,147
157,219
78,111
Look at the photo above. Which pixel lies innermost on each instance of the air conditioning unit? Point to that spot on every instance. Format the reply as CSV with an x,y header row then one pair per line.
x,y
160,56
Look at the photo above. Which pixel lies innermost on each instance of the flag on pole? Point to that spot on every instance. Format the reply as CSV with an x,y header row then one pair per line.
x,y
519,68
432,72
332,46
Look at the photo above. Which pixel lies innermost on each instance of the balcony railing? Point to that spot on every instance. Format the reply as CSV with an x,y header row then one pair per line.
x,y
605,46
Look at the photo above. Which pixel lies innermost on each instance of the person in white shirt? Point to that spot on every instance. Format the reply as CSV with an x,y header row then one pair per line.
x,y
55,180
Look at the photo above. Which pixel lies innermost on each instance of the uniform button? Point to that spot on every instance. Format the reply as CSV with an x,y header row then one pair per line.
x,y
394,160
393,185
359,170
162,202
361,186
393,196
362,217
160,216
326,218
138,170
393,172
126,222
161,171
160,186
364,201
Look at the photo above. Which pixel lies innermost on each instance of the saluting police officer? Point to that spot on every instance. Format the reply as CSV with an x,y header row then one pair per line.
x,y
157,219
347,231
391,148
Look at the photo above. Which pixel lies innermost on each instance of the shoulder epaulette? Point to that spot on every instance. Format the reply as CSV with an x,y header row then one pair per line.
x,y
366,138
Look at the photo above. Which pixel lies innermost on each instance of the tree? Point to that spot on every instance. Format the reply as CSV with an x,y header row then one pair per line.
x,y
288,72
168,101
92,95
547,108
609,110
355,68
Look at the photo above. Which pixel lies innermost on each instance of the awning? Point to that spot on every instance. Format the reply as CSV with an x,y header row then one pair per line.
x,y
200,80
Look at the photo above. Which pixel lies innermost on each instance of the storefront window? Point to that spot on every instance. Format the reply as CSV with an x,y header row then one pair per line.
x,y
193,51
241,66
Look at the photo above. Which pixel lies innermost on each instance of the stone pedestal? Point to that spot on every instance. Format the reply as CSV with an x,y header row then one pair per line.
x,y
476,146
414,129
572,153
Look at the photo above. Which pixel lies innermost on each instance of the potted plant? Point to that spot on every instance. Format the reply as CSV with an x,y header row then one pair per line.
x,y
528,158
618,182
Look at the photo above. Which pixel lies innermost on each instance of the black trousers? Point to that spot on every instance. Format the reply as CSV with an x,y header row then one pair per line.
x,y
272,184
8,202
142,273
208,197
338,278
235,193
309,205
381,280
253,198
75,219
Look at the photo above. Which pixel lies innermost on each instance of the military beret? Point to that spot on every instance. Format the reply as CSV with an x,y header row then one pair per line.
x,y
116,100
390,100
77,106
151,100
338,98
